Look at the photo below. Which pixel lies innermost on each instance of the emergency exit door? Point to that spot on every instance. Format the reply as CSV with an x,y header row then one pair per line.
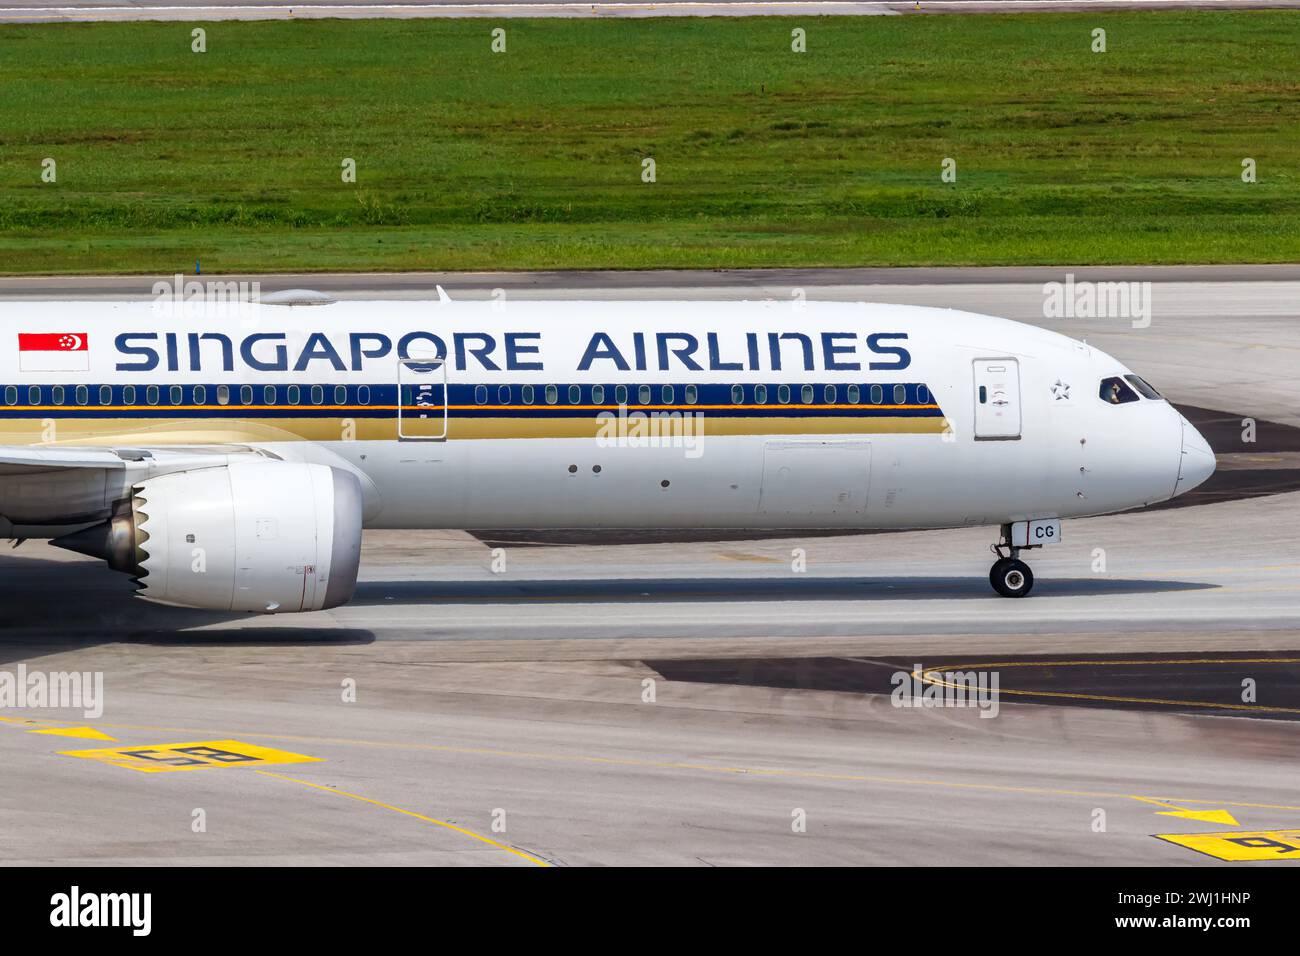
x,y
422,399
997,399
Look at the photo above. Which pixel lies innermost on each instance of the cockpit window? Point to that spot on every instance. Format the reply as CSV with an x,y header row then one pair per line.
x,y
1115,391
1143,386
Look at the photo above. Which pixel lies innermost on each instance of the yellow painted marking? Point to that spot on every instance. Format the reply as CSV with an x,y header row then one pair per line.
x,y
200,755
928,675
1205,816
88,733
1241,845
776,772
743,556
538,861
29,722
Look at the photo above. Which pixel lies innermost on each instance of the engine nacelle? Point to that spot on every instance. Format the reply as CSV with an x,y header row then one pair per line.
x,y
252,536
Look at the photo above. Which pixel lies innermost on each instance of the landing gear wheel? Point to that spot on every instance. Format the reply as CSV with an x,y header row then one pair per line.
x,y
1011,577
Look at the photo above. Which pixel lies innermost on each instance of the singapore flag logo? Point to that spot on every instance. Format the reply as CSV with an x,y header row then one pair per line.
x,y
53,352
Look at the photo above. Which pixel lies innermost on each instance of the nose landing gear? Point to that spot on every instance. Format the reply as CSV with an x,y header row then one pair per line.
x,y
1009,575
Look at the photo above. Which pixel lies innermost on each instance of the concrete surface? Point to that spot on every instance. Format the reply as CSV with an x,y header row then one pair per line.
x,y
525,694
35,11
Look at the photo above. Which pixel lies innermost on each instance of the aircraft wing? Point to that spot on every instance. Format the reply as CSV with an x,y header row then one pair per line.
x,y
32,459
18,459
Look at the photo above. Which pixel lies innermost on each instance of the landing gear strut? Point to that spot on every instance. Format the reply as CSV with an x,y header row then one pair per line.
x,y
1009,575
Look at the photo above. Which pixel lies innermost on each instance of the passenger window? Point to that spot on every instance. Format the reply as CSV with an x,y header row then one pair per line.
x,y
1115,391
598,394
83,395
151,394
317,395
480,394
200,394
783,394
268,394
176,395
223,394
340,394
737,395
877,394
58,394
246,394
503,394
854,395
900,394
1143,387
575,394
830,393
363,395
667,394
552,394
33,395
11,395
760,394
527,394
295,394
692,394
620,394
806,394
128,394
643,394
105,395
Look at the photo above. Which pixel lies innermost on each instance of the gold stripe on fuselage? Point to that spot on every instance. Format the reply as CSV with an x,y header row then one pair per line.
x,y
206,431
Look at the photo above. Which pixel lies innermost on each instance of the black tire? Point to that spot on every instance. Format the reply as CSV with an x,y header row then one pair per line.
x,y
1011,578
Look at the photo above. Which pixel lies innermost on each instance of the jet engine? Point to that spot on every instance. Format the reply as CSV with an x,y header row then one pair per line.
x,y
252,536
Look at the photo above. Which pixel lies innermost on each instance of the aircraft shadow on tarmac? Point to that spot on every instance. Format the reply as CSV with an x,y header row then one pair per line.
x,y
670,590
1161,682
48,607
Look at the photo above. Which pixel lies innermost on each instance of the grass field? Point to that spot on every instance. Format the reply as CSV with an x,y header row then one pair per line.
x,y
468,159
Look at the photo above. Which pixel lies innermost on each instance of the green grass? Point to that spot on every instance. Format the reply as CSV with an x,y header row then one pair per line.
x,y
532,159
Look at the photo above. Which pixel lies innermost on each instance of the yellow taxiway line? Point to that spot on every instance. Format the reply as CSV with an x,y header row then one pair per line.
x,y
536,861
719,769
926,675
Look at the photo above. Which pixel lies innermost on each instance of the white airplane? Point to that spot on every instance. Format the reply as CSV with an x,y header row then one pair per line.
x,y
232,462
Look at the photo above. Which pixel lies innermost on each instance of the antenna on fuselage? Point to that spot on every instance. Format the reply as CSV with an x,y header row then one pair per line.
x,y
442,294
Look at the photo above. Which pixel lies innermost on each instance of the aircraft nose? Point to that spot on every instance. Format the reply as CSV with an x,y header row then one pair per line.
x,y
1197,462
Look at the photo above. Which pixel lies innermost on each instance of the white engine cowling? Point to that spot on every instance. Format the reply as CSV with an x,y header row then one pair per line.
x,y
253,536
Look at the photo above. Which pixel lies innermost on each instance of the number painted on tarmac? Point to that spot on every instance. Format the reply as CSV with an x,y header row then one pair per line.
x,y
202,755
1241,846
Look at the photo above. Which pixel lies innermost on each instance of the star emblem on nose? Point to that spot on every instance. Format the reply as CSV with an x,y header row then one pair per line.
x,y
1061,390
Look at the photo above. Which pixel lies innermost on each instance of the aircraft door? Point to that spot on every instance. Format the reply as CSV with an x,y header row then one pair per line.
x,y
422,399
997,399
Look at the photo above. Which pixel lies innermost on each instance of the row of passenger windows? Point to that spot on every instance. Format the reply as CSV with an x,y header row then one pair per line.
x,y
528,395
667,394
187,395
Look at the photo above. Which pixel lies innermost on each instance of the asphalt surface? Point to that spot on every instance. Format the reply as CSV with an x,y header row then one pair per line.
x,y
683,702
1154,682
